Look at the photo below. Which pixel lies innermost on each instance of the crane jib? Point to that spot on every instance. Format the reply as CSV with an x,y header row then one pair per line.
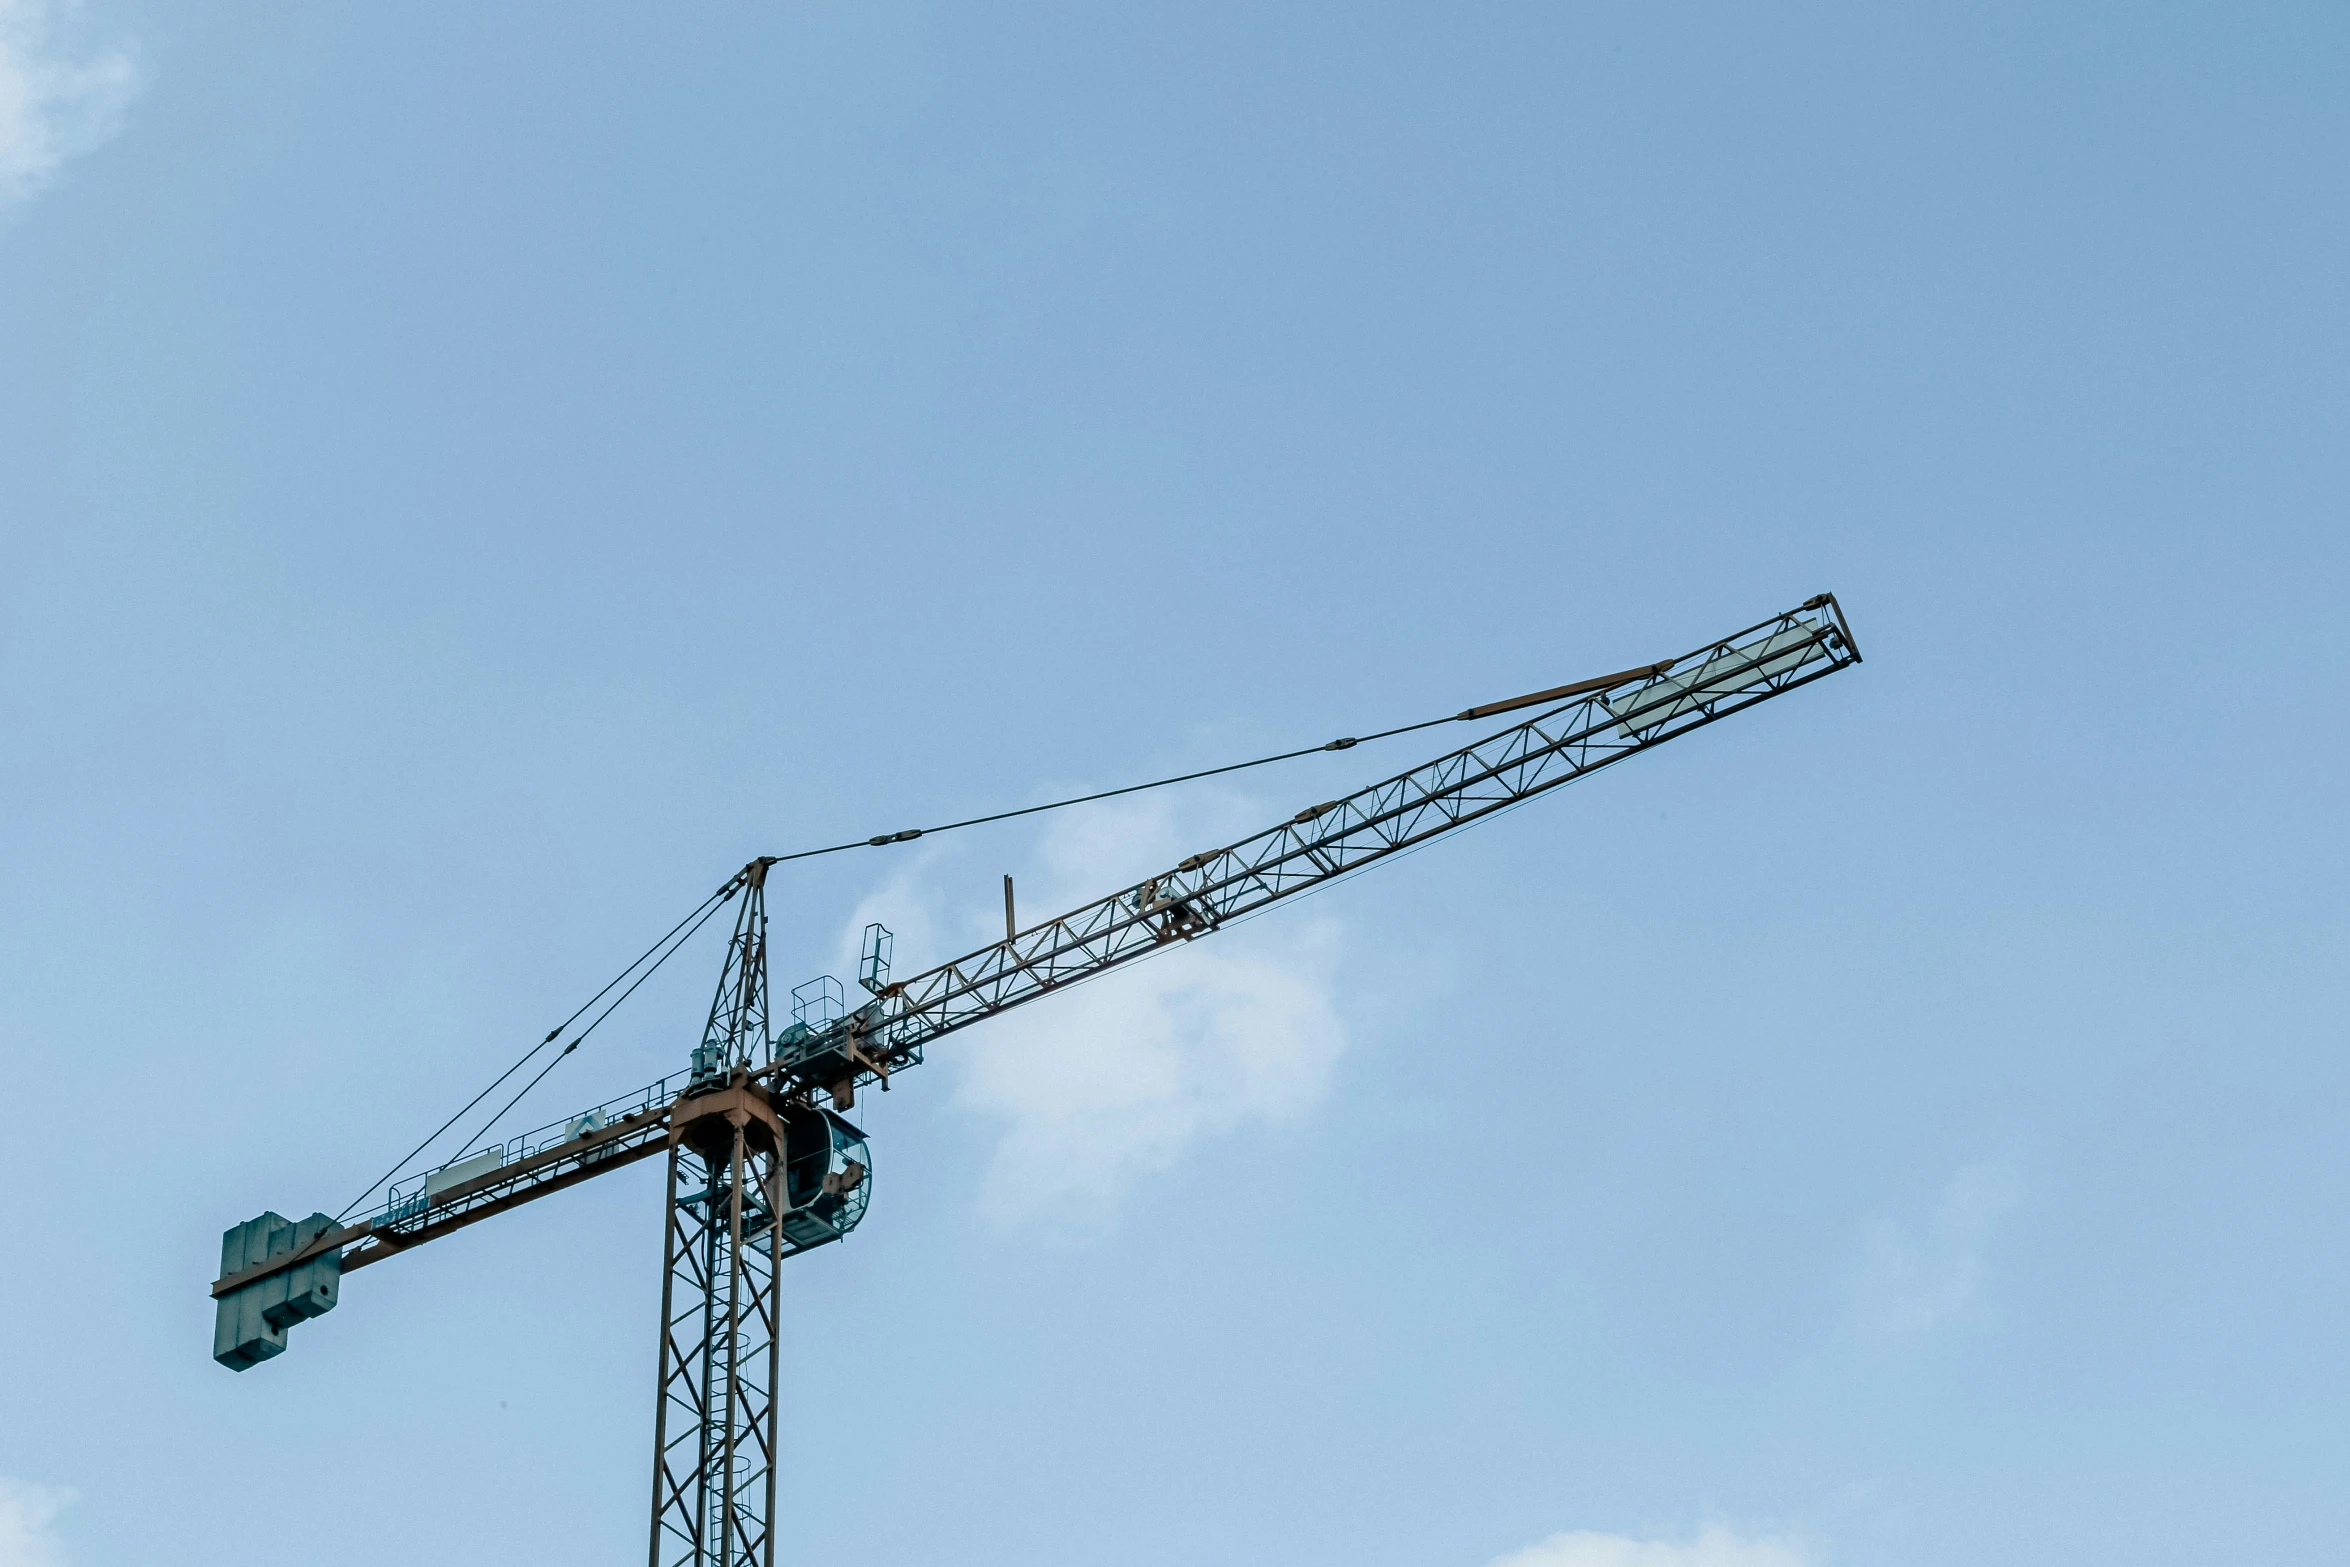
x,y
1604,722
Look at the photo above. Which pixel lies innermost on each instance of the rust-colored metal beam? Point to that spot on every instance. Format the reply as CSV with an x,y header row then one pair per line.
x,y
390,1242
1561,693
330,1241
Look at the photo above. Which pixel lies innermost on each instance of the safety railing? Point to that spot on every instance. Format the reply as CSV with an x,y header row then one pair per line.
x,y
409,1198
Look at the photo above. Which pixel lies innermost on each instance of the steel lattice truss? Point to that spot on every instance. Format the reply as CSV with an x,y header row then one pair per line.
x,y
714,1432
1607,721
738,1027
714,1427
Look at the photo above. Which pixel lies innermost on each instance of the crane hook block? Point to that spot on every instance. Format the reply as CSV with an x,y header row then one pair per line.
x,y
249,1324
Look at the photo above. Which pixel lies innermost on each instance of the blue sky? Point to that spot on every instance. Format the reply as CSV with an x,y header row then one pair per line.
x,y
470,478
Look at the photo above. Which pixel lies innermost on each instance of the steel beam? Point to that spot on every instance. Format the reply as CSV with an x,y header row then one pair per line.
x,y
715,1417
1589,724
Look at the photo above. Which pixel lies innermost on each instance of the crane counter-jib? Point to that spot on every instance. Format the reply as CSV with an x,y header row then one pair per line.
x,y
276,1273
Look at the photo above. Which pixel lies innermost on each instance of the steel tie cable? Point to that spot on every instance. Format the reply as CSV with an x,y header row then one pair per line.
x,y
708,913
701,910
708,906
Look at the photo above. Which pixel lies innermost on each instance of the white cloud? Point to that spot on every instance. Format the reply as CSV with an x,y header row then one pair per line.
x,y
26,1512
1117,1079
1120,1078
1712,1546
1912,1278
52,107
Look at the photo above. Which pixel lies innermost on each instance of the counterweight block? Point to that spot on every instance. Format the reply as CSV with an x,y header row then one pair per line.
x,y
249,1324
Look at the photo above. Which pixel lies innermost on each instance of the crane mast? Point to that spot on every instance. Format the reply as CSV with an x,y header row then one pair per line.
x,y
714,1419
763,1164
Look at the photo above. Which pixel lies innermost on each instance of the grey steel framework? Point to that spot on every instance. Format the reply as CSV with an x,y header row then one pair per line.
x,y
714,1428
759,1172
1606,720
714,1422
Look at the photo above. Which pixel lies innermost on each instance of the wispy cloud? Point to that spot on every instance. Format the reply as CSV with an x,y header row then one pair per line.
x,y
52,106
1712,1546
1105,1084
1916,1276
1120,1079
26,1513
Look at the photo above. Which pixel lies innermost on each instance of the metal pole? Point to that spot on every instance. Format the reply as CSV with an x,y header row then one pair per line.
x,y
728,1521
713,1429
774,1363
661,1377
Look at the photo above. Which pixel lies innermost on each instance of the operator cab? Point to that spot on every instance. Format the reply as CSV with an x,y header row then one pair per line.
x,y
825,1180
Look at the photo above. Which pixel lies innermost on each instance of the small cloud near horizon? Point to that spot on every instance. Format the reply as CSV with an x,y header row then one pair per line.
x,y
1711,1546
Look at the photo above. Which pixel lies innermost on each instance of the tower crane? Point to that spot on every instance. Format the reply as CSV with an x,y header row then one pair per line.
x,y
763,1163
